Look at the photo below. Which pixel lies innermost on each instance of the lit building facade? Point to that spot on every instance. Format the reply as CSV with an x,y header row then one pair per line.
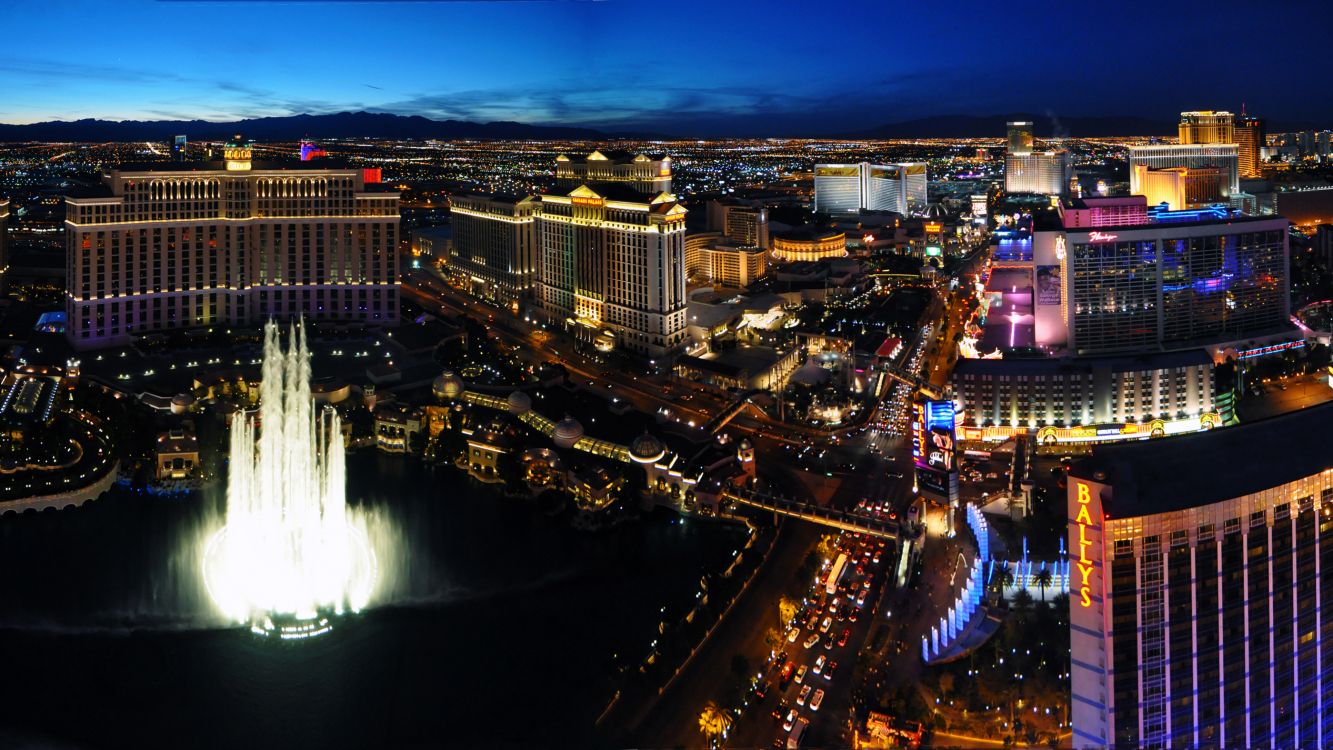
x,y
4,243
1251,139
1043,172
1104,212
848,188
495,246
809,244
649,174
1173,387
168,245
1020,137
1163,285
1196,615
1223,156
1206,126
612,258
734,265
1161,185
743,224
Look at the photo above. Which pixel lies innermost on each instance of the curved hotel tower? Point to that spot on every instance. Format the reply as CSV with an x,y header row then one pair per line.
x,y
1197,614
170,245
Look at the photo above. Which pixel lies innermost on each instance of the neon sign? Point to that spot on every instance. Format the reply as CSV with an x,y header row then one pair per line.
x,y
1101,237
1084,562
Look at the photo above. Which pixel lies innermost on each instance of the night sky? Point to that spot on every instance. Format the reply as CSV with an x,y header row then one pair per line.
x,y
680,67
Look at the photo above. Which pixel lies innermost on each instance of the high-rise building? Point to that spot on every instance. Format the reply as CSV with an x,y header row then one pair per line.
x,y
1103,212
1160,185
1250,140
1020,138
4,243
612,258
1323,244
494,247
741,223
1181,281
1222,156
1196,615
649,174
845,188
1043,172
164,246
179,146
1205,127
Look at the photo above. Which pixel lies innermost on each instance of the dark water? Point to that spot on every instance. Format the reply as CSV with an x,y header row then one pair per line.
x,y
501,634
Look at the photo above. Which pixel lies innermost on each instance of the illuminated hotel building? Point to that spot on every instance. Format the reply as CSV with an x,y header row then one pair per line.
x,y
1166,285
732,265
1020,137
809,243
1197,614
649,174
170,245
612,258
1173,388
1161,185
1222,156
1250,142
743,224
1206,127
494,245
4,242
1043,172
846,188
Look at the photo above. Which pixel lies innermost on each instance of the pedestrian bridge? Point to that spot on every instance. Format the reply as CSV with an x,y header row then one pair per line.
x,y
832,517
732,411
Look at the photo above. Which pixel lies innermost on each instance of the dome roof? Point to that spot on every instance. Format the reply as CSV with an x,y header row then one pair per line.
x,y
447,386
646,449
519,402
567,432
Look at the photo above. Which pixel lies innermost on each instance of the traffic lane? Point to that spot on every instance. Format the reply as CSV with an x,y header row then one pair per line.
x,y
825,725
673,721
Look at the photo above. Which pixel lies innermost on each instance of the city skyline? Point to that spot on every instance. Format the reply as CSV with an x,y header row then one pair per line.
x,y
734,70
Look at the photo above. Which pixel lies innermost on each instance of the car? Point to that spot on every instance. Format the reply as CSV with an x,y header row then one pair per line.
x,y
826,624
846,633
817,699
830,669
861,600
828,645
800,675
793,634
805,693
789,720
819,664
812,622
812,640
761,688
785,675
853,616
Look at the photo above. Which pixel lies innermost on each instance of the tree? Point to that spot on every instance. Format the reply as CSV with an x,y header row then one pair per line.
x,y
786,610
1044,579
714,721
1022,602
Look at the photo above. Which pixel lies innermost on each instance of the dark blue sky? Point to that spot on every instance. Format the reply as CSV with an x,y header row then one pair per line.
x,y
689,67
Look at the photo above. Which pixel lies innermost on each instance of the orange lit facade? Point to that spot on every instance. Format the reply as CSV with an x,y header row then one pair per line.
x,y
791,248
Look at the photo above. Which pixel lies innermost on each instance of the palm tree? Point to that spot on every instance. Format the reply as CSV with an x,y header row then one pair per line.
x,y
1043,580
714,721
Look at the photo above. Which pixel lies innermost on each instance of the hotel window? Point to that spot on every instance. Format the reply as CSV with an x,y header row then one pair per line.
x,y
1256,518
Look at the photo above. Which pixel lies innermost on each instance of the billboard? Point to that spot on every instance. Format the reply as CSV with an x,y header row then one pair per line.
x,y
934,451
1048,285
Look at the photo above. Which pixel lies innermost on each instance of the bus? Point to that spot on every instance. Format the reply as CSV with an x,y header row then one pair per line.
x,y
834,573
794,739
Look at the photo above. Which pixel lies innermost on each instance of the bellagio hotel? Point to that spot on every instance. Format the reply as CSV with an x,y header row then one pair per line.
x,y
172,245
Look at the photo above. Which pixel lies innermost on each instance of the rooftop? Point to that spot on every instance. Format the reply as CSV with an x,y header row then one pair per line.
x,y
1177,473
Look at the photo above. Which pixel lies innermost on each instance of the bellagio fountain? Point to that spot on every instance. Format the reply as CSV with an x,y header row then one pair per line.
x,y
291,560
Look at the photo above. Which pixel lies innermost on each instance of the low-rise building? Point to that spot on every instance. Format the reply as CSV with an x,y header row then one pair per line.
x,y
177,453
395,426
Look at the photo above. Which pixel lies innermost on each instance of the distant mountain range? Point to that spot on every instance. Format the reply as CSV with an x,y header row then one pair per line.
x,y
1045,126
291,128
383,125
